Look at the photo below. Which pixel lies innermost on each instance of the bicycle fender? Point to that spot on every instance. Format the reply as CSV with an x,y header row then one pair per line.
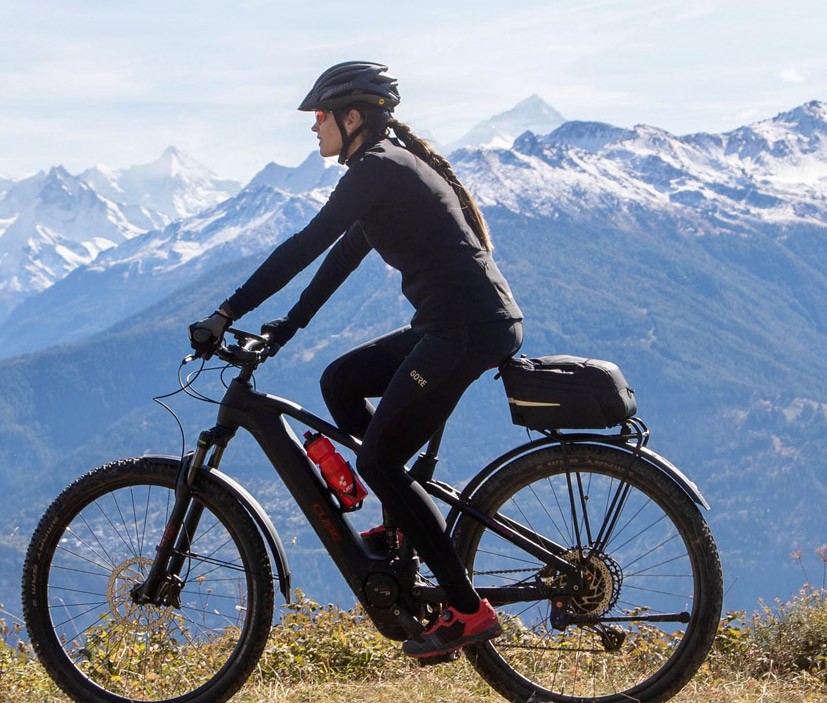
x,y
675,474
656,460
265,524
256,512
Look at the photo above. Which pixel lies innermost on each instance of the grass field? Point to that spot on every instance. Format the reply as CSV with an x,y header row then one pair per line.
x,y
322,654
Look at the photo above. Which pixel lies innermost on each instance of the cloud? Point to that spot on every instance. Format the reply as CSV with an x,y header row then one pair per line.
x,y
118,85
791,75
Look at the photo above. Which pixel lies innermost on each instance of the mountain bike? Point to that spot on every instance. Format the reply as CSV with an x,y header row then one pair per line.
x,y
154,578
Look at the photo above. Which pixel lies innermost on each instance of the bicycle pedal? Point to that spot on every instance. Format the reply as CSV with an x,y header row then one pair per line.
x,y
439,659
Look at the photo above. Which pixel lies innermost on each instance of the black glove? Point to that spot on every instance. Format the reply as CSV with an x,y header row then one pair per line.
x,y
206,334
279,331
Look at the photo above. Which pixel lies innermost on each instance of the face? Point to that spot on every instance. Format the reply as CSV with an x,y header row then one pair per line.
x,y
327,132
329,136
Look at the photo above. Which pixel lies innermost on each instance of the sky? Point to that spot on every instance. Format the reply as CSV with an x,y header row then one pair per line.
x,y
88,82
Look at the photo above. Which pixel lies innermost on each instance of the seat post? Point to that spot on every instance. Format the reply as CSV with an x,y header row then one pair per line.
x,y
423,469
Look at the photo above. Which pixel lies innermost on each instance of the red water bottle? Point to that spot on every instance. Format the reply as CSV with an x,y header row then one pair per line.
x,y
344,483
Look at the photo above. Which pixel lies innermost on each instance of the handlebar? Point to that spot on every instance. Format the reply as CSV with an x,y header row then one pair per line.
x,y
250,349
249,341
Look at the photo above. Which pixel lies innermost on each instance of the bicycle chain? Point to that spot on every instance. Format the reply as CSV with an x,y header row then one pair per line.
x,y
504,571
545,648
492,573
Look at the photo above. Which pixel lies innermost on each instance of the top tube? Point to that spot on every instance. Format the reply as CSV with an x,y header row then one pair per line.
x,y
252,350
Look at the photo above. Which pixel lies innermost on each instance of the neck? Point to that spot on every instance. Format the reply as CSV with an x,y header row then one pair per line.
x,y
351,141
356,145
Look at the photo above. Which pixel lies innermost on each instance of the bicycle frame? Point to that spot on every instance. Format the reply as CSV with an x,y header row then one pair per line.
x,y
265,417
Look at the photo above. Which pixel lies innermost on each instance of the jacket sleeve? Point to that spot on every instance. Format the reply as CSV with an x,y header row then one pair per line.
x,y
340,262
356,193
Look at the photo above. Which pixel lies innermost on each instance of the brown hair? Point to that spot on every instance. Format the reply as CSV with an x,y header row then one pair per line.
x,y
377,123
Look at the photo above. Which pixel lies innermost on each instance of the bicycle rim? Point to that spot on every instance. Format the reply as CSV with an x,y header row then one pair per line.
x,y
652,587
96,543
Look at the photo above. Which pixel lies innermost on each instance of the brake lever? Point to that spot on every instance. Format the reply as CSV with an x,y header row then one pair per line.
x,y
193,356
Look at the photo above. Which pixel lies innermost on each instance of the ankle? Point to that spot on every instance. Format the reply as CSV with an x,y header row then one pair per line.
x,y
460,593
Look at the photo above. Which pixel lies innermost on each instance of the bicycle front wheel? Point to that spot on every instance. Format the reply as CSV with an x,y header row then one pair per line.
x,y
96,543
644,619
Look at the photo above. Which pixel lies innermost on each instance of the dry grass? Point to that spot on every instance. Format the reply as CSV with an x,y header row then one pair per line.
x,y
325,655
458,683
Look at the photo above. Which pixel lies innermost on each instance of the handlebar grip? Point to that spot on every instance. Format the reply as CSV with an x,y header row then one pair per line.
x,y
201,335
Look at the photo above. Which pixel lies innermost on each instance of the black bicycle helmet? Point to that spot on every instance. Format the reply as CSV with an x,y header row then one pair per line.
x,y
353,81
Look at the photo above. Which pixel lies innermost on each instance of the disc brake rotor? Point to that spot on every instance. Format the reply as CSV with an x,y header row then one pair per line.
x,y
125,576
602,580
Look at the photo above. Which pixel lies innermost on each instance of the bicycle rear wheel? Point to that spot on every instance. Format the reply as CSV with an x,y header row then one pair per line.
x,y
96,542
649,609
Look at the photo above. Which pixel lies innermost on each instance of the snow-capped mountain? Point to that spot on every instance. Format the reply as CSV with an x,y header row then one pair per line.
x,y
768,173
133,276
313,173
51,223
532,114
172,187
789,152
772,171
276,202
39,247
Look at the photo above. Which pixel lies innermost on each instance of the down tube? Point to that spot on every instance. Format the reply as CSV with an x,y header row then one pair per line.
x,y
258,414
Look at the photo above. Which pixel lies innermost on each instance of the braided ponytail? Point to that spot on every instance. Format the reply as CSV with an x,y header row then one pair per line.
x,y
421,149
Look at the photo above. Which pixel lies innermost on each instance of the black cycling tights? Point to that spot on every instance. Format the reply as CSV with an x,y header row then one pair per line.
x,y
420,378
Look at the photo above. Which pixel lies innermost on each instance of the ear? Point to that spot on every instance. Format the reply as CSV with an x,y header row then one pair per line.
x,y
353,119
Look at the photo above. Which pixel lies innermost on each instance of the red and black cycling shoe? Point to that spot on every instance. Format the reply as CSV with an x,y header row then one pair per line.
x,y
453,631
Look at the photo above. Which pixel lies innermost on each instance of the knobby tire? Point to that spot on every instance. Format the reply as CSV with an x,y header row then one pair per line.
x,y
95,542
653,554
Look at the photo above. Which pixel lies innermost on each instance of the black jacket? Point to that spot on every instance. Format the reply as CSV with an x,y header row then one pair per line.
x,y
391,201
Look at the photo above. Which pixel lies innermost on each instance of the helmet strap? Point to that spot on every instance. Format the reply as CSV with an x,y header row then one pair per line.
x,y
347,139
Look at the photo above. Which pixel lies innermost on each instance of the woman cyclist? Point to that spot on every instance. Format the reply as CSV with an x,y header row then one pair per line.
x,y
402,199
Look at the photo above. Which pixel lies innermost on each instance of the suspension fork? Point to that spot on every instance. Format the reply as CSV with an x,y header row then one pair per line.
x,y
163,582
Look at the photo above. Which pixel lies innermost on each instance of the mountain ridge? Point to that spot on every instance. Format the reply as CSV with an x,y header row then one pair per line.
x,y
174,186
50,224
501,129
683,259
708,182
53,222
704,184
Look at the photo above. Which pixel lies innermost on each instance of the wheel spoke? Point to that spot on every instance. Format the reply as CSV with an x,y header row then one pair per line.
x,y
643,553
89,633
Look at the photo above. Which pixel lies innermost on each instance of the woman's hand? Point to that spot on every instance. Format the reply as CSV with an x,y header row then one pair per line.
x,y
206,334
278,331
